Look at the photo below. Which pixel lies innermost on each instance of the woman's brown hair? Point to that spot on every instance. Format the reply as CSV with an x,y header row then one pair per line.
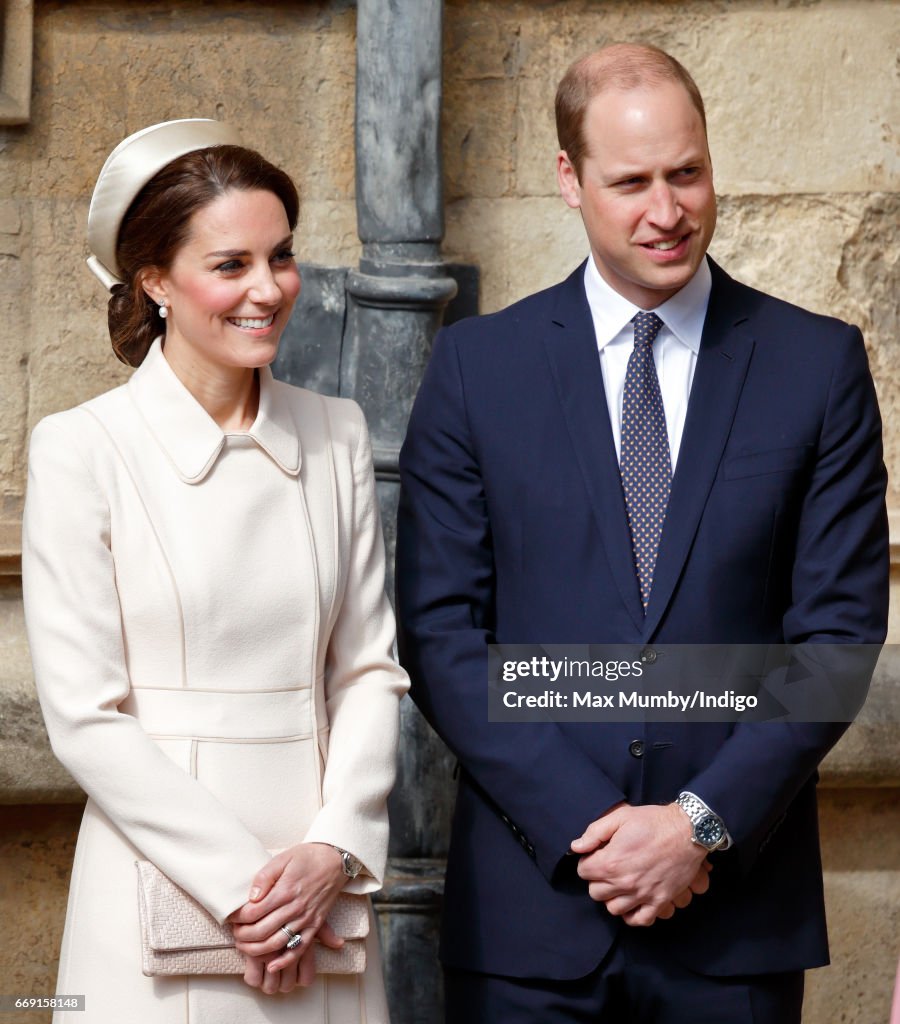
x,y
157,224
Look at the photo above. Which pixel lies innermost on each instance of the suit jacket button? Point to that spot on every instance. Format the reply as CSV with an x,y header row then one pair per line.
x,y
648,656
636,748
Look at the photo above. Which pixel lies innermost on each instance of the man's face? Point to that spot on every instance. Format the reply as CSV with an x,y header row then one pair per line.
x,y
646,191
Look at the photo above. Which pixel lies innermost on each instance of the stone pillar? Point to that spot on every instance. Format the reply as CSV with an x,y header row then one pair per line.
x,y
398,294
395,305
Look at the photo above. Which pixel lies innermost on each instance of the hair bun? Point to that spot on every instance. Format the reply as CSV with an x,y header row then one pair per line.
x,y
131,323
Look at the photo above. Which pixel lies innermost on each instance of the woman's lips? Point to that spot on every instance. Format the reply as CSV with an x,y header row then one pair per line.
x,y
252,323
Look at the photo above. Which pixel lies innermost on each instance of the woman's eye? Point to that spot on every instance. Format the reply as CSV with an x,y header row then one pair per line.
x,y
229,266
284,256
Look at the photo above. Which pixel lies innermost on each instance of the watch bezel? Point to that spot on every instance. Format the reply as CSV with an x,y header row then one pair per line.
x,y
709,831
352,865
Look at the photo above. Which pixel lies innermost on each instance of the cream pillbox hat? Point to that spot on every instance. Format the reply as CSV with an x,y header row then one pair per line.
x,y
128,169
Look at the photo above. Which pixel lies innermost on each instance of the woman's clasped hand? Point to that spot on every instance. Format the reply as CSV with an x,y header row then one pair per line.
x,y
294,891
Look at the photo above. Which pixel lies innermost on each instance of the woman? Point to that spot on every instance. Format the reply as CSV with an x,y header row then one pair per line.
x,y
204,572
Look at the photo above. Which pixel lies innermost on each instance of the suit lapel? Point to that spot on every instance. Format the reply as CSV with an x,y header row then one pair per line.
x,y
722,363
571,349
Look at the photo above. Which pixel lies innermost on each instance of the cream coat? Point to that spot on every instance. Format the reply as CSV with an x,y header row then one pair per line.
x,y
213,652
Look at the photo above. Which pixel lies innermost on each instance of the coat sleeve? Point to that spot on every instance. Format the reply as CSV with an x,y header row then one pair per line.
x,y
74,630
544,787
839,591
363,686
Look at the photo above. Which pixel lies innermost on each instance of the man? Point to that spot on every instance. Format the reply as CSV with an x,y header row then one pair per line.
x,y
647,453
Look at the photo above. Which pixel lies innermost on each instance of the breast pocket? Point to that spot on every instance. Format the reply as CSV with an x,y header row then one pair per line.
x,y
775,460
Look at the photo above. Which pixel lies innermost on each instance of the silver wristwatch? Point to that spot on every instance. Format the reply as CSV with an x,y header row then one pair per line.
x,y
351,865
707,828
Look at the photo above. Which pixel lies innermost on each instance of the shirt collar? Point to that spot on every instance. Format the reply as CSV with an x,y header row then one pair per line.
x,y
187,433
683,314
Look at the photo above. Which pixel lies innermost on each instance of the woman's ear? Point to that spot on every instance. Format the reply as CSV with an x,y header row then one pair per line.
x,y
152,282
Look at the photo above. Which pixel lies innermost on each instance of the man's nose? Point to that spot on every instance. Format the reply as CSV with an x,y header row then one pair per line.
x,y
664,209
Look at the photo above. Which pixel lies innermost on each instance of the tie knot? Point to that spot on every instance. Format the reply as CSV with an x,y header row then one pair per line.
x,y
646,328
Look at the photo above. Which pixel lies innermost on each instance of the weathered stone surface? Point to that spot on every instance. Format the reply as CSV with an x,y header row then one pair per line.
x,y
532,242
894,611
15,662
71,359
868,286
326,233
283,73
29,773
479,137
868,754
15,315
36,848
861,857
802,98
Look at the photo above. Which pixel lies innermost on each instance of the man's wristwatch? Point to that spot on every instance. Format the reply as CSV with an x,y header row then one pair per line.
x,y
707,828
351,865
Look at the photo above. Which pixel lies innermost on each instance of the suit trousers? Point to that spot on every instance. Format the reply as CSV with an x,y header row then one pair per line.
x,y
633,985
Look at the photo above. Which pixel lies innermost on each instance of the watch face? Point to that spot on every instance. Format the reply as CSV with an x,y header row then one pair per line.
x,y
709,831
352,866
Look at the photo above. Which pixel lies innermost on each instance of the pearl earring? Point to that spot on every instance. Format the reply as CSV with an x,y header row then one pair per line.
x,y
163,311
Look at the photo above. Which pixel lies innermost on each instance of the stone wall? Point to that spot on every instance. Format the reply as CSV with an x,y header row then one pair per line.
x,y
803,106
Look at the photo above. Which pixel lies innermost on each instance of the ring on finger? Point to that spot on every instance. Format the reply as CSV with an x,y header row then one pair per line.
x,y
294,938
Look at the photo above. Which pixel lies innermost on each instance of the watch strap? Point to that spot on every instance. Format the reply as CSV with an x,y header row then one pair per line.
x,y
697,810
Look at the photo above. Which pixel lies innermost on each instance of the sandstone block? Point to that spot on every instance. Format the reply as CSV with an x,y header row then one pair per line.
x,y
802,99
481,41
71,359
532,243
860,853
36,849
326,233
478,125
15,309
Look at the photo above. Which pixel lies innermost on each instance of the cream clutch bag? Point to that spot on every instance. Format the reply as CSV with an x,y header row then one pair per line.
x,y
179,937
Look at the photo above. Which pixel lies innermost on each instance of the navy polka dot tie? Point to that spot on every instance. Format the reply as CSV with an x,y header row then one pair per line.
x,y
644,462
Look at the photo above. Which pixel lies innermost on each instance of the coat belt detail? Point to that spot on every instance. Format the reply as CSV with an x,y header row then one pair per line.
x,y
221,714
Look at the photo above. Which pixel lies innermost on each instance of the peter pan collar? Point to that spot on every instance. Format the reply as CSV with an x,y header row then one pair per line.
x,y
187,433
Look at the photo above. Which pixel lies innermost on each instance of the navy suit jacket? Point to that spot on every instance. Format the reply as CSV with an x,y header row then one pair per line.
x,y
512,529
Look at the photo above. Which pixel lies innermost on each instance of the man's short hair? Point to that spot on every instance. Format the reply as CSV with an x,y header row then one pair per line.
x,y
620,66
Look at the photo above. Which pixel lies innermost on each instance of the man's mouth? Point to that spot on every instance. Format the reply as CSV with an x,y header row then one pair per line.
x,y
252,323
666,245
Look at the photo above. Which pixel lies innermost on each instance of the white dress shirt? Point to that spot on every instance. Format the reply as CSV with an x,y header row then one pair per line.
x,y
674,351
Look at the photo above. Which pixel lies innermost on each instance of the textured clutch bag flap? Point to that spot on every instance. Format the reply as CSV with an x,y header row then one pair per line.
x,y
179,937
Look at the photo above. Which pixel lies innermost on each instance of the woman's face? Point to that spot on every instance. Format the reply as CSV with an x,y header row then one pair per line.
x,y
232,285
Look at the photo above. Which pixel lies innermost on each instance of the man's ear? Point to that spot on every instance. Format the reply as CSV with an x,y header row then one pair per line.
x,y
567,177
153,284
